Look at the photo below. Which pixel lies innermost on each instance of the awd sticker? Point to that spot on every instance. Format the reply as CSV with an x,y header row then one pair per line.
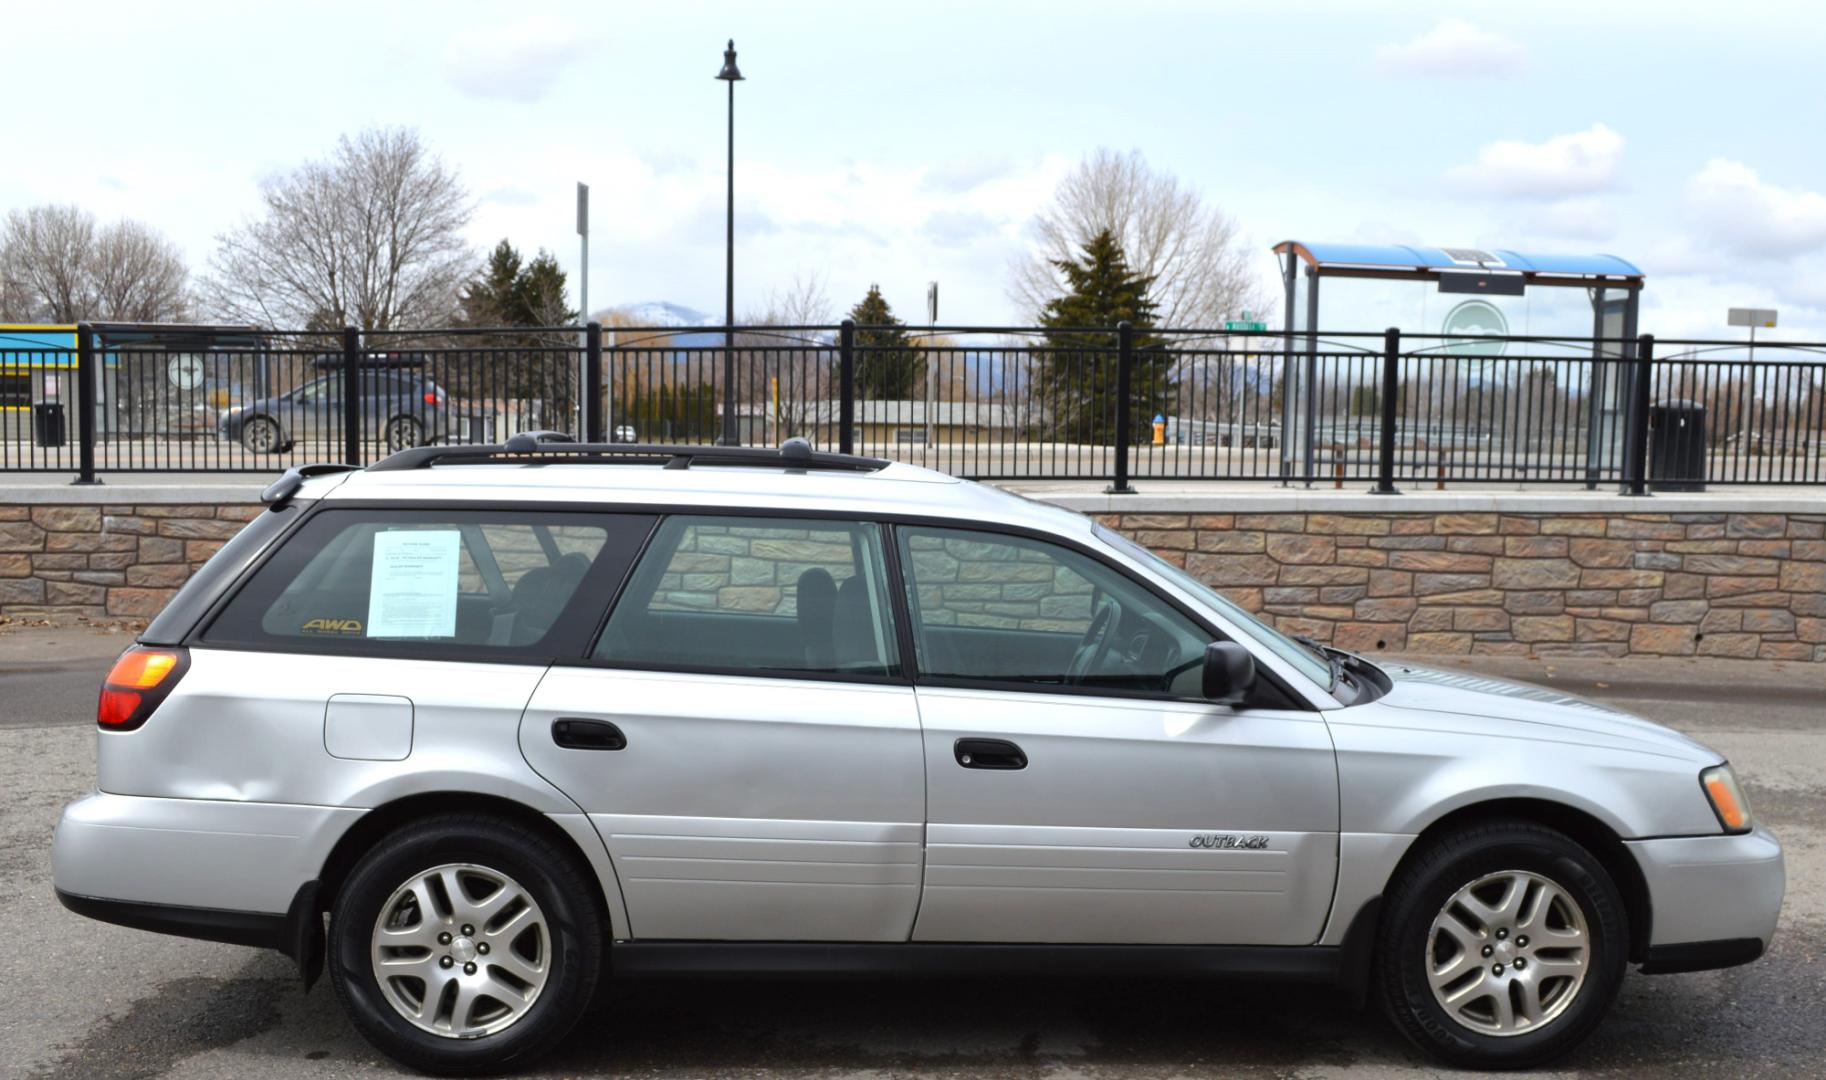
x,y
1229,842
332,626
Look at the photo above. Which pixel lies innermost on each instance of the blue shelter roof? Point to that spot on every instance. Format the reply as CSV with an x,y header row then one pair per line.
x,y
1406,257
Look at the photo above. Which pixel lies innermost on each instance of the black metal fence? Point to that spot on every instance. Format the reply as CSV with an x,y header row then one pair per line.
x,y
1115,405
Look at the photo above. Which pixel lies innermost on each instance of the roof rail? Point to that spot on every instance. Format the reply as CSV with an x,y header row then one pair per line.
x,y
556,448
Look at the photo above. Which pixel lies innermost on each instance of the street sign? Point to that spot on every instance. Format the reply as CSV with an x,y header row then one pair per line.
x,y
1750,316
1247,326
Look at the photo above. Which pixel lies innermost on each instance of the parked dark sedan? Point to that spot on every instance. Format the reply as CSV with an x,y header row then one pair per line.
x,y
403,408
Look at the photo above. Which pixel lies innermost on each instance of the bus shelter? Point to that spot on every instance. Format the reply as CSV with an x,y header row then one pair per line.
x,y
1613,285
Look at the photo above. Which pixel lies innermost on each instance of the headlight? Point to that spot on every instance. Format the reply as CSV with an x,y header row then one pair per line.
x,y
1727,798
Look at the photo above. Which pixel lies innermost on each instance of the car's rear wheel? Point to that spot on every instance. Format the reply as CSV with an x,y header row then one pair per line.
x,y
465,944
404,433
261,436
1502,946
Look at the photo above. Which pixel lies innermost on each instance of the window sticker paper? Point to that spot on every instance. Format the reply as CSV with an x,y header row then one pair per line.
x,y
413,591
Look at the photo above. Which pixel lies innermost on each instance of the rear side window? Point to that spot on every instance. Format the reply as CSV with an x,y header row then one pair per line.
x,y
784,595
435,583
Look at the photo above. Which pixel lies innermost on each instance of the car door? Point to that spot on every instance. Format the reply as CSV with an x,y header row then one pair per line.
x,y
743,737
313,413
1078,789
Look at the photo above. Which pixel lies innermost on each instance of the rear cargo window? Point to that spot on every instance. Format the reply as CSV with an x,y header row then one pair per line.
x,y
436,583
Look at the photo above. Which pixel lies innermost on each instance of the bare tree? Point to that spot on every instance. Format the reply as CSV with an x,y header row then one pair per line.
x,y
797,365
58,265
1193,251
44,256
138,275
370,237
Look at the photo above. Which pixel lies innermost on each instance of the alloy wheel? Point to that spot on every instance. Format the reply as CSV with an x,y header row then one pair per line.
x,y
1508,953
461,950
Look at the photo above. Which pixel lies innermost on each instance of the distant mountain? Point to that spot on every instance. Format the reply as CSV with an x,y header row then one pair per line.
x,y
660,313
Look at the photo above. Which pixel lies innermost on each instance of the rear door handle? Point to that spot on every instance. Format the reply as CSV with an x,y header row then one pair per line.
x,y
989,754
576,733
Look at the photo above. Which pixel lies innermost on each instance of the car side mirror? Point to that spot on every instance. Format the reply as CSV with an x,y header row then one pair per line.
x,y
1229,673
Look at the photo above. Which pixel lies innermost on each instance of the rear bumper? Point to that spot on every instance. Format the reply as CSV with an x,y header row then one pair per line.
x,y
1715,898
193,853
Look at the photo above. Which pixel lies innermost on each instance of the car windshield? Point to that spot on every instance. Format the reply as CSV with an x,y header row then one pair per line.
x,y
1310,663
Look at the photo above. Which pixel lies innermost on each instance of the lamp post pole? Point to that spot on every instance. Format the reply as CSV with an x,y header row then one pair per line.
x,y
731,75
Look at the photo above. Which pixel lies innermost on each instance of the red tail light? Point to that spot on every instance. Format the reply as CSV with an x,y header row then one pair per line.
x,y
138,682
430,397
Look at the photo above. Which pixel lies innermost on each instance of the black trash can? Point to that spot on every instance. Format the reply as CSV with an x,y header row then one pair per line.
x,y
47,423
1677,446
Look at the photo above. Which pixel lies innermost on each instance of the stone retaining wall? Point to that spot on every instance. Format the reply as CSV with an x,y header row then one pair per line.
x,y
1740,585
1750,585
109,562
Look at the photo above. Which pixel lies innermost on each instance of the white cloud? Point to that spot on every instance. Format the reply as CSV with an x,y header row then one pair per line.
x,y
1453,49
520,61
1734,209
1579,163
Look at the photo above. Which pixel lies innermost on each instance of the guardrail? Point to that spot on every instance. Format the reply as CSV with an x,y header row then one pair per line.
x,y
1114,404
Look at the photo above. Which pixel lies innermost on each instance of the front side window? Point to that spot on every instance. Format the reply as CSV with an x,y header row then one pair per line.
x,y
784,595
994,608
429,581
1307,660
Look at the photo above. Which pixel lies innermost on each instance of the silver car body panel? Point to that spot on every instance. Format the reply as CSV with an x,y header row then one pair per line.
x,y
1711,888
1094,840
746,808
205,853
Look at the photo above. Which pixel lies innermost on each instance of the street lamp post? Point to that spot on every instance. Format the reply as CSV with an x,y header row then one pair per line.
x,y
731,75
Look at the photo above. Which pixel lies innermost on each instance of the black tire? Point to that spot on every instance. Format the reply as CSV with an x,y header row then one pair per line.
x,y
261,435
1421,891
404,433
555,879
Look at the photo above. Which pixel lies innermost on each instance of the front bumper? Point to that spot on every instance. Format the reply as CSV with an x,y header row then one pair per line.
x,y
1715,898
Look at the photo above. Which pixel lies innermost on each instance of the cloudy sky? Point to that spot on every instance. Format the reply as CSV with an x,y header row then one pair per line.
x,y
906,142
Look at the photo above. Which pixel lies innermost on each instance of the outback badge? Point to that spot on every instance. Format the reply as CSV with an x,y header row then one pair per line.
x,y
1229,842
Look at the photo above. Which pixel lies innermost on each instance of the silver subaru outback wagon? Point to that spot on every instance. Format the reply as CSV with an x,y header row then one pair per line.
x,y
521,718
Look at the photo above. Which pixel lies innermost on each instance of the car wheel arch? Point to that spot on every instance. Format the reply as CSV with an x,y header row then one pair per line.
x,y
376,824
1583,827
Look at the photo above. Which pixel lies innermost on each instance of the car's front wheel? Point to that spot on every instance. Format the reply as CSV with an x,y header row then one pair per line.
x,y
1502,945
262,436
465,944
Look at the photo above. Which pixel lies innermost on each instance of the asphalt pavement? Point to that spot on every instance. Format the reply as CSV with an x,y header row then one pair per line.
x,y
86,1000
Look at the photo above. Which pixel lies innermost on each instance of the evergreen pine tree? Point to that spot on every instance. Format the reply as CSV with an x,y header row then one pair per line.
x,y
538,294
488,298
887,367
1077,375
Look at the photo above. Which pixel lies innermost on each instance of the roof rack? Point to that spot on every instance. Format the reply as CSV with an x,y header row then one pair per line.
x,y
557,448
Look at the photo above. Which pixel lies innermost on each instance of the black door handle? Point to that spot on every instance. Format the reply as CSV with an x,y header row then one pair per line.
x,y
578,734
989,754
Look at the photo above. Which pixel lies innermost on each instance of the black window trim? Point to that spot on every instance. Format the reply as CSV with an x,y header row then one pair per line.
x,y
368,648
1291,699
902,677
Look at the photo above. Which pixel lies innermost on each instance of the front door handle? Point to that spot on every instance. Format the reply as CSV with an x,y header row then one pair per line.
x,y
575,733
989,754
